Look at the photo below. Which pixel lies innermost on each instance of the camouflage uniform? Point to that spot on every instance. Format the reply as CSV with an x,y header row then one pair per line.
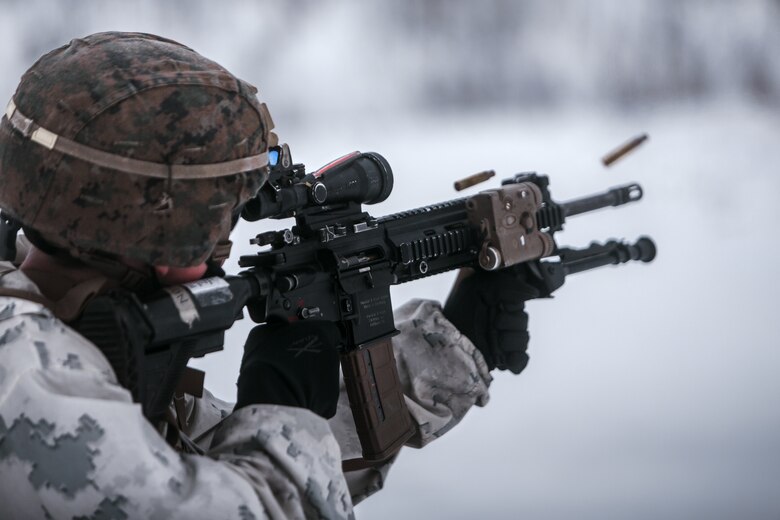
x,y
130,144
74,445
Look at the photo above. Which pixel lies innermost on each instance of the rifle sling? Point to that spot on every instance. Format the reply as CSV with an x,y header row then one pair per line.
x,y
361,463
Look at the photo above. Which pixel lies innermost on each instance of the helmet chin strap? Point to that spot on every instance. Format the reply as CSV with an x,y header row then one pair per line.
x,y
136,279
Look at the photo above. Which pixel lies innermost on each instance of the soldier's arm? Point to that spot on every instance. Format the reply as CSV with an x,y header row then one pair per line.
x,y
442,373
443,376
72,443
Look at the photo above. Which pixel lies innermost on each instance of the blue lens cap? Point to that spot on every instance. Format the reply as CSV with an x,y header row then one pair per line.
x,y
273,157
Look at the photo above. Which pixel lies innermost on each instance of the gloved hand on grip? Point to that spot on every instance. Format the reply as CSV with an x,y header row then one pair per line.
x,y
488,308
293,365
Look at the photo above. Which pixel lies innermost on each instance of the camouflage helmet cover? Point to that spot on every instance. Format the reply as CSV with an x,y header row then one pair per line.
x,y
142,112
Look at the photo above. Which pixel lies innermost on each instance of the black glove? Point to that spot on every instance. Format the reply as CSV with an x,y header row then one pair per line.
x,y
487,307
292,365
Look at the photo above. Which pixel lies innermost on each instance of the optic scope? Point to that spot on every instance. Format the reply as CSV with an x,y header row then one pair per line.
x,y
362,178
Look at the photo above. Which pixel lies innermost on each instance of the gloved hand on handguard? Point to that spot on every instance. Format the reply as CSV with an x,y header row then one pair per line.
x,y
488,308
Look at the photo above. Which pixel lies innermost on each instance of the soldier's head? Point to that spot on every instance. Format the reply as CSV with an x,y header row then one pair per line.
x,y
131,146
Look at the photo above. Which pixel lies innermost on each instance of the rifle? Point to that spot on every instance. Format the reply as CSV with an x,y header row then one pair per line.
x,y
338,263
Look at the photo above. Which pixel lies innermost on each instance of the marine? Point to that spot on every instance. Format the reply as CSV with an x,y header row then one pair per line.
x,y
126,159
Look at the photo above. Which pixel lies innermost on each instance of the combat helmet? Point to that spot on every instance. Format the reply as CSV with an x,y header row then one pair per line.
x,y
131,145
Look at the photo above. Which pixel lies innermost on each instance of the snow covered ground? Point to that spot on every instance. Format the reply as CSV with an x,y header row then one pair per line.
x,y
652,389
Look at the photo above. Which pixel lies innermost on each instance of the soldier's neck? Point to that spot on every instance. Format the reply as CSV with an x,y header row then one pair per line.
x,y
53,276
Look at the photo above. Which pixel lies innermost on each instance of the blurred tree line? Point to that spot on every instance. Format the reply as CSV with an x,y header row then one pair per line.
x,y
444,54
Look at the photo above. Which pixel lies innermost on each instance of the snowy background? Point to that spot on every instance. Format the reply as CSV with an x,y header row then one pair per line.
x,y
652,390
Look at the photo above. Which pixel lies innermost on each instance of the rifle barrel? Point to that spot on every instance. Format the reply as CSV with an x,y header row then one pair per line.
x,y
614,197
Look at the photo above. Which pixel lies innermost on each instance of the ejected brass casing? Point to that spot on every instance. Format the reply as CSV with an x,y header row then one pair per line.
x,y
471,180
624,149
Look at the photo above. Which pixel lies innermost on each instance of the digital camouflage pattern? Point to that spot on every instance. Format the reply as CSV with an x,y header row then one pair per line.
x,y
73,445
442,374
143,97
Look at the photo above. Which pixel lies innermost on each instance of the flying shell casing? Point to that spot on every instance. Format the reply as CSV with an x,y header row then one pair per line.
x,y
473,180
623,150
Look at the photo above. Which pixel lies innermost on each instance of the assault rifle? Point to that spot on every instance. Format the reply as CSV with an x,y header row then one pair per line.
x,y
338,263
